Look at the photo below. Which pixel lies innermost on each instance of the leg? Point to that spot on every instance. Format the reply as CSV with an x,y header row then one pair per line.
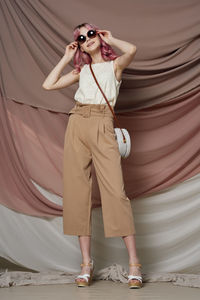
x,y
133,258
85,244
77,180
116,206
77,189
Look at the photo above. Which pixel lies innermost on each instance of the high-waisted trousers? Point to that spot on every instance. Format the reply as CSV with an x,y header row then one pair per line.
x,y
90,137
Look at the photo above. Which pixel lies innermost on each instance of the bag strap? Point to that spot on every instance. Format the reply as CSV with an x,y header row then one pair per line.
x,y
124,139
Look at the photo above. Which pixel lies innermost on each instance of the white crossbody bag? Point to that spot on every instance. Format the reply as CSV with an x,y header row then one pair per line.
x,y
122,134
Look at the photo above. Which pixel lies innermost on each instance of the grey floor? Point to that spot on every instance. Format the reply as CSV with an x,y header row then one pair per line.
x,y
100,289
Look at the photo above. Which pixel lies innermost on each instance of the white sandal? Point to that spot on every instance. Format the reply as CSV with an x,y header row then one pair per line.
x,y
134,284
86,276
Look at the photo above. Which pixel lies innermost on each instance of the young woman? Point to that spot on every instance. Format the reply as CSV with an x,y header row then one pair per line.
x,y
90,137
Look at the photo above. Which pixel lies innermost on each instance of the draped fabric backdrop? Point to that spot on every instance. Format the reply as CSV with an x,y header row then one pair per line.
x,y
158,104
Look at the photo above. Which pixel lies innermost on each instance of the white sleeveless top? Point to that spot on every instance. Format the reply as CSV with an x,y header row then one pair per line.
x,y
88,91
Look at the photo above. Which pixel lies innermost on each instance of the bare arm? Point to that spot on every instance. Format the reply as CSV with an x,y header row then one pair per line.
x,y
129,52
54,80
129,49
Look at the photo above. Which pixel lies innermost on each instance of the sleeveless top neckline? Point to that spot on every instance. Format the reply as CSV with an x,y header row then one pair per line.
x,y
108,61
100,63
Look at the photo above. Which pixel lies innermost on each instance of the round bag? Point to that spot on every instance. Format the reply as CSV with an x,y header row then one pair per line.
x,y
124,148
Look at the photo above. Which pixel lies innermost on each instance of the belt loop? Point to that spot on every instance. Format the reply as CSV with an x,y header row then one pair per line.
x,y
86,111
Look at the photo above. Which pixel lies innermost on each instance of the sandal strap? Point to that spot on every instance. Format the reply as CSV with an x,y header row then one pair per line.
x,y
134,277
87,264
134,264
84,276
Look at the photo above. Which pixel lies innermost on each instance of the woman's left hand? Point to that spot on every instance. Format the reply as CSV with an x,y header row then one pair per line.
x,y
105,35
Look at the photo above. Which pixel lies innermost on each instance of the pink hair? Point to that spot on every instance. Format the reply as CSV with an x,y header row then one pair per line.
x,y
81,58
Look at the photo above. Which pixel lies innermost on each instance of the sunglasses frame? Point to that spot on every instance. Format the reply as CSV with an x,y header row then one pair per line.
x,y
91,37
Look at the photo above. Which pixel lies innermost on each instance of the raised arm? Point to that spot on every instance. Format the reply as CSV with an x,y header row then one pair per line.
x,y
129,49
54,80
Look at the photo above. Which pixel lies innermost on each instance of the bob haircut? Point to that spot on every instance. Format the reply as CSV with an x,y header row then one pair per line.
x,y
81,58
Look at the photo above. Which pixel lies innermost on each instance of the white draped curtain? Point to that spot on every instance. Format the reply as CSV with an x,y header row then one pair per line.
x,y
167,238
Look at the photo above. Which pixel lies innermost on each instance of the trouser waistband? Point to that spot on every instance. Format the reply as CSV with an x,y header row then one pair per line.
x,y
86,110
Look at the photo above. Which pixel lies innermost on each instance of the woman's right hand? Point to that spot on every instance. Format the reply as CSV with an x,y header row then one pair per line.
x,y
71,49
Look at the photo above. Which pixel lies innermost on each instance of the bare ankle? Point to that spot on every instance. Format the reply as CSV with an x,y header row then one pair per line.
x,y
86,260
134,259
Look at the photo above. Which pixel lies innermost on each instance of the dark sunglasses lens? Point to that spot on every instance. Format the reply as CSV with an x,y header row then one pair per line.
x,y
81,38
91,33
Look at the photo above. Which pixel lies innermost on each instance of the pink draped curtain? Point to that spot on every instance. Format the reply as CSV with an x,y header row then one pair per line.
x,y
158,101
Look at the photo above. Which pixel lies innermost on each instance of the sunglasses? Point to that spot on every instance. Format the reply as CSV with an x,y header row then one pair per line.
x,y
82,38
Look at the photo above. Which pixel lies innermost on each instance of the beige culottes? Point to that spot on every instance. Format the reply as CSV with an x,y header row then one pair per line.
x,y
90,137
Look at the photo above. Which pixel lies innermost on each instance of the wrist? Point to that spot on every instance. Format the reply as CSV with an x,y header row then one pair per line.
x,y
112,41
66,58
